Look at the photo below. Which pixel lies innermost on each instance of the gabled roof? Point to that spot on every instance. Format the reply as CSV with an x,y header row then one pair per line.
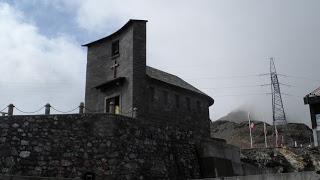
x,y
313,97
316,92
173,80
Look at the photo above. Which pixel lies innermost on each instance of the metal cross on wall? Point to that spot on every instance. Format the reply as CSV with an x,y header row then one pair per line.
x,y
114,67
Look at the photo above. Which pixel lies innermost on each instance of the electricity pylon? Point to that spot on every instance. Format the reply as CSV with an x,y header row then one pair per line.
x,y
278,114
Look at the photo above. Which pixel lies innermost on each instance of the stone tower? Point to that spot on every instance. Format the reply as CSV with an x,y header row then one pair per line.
x,y
116,70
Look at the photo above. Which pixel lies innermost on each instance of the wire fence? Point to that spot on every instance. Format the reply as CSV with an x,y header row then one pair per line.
x,y
65,112
2,111
47,108
29,112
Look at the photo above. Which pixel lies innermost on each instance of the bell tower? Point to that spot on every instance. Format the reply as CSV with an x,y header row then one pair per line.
x,y
116,70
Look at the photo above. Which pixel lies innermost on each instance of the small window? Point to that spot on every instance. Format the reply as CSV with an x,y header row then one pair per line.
x,y
152,94
199,106
177,97
165,97
188,104
115,48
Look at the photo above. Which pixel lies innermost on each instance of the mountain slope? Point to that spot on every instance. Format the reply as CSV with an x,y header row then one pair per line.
x,y
237,116
238,133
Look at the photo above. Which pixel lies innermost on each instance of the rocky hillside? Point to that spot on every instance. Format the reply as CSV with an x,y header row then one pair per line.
x,y
234,129
238,134
283,160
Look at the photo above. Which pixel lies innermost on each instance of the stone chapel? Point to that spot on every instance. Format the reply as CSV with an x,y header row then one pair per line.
x,y
117,74
167,137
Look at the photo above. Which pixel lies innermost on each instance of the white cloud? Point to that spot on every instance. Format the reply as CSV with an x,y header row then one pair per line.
x,y
193,39
206,38
187,38
36,69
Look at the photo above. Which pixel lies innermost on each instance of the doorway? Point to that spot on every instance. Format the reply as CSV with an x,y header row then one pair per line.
x,y
116,102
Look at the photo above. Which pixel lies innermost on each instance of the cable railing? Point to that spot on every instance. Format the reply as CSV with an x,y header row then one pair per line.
x,y
48,108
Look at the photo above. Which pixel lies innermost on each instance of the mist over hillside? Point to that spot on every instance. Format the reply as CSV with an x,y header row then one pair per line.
x,y
237,116
238,134
234,128
242,114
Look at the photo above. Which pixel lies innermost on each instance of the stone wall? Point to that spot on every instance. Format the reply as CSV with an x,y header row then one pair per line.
x,y
99,63
219,159
108,145
158,108
308,175
34,178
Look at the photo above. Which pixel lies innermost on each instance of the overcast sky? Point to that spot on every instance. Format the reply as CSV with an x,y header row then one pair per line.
x,y
220,47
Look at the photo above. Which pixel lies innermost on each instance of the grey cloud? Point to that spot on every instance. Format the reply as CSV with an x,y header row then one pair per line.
x,y
196,39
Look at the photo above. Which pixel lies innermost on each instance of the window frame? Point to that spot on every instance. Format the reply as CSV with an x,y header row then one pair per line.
x,y
115,51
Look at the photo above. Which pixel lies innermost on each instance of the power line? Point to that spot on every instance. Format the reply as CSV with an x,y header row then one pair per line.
x,y
229,77
244,86
4,109
248,94
37,83
286,94
253,94
298,77
287,85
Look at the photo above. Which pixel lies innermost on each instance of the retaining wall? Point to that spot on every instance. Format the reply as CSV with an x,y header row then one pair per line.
x,y
308,175
108,145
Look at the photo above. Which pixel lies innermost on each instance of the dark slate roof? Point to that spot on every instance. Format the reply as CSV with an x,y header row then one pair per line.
x,y
313,97
316,92
173,80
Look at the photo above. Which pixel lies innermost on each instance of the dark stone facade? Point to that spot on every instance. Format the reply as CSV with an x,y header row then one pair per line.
x,y
100,61
313,99
161,110
168,138
154,93
111,146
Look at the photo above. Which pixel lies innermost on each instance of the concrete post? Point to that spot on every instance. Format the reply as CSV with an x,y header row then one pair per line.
x,y
315,137
134,112
81,108
47,109
111,108
10,109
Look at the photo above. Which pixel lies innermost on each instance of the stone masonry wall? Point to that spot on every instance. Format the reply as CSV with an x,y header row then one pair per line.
x,y
111,146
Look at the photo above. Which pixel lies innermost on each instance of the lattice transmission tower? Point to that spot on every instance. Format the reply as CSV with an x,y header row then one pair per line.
x,y
279,116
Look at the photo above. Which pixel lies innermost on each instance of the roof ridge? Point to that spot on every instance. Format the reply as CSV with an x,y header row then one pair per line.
x,y
177,81
316,92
